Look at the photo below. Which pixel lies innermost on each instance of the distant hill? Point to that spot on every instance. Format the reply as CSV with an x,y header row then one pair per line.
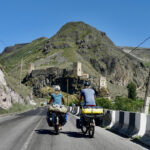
x,y
140,53
77,41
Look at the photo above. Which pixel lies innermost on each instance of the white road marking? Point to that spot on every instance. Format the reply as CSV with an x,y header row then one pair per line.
x,y
25,146
74,116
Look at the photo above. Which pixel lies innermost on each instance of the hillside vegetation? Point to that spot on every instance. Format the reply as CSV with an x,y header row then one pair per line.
x,y
77,41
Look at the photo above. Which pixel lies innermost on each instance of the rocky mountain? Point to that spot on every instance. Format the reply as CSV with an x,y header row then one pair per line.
x,y
77,41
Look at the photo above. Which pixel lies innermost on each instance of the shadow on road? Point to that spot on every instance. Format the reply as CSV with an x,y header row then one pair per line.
x,y
142,144
75,134
133,140
118,133
68,133
45,131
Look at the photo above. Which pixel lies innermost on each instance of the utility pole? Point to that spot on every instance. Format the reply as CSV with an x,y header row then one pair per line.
x,y
99,82
147,100
99,90
21,71
67,89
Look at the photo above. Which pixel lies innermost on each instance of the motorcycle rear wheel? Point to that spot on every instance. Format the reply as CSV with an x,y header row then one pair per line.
x,y
84,129
91,131
57,131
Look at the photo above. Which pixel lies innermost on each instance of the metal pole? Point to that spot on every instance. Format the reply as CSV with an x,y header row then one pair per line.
x,y
21,71
147,101
67,89
99,82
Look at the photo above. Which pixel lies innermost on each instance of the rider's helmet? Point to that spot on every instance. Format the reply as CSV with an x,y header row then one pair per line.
x,y
57,88
86,83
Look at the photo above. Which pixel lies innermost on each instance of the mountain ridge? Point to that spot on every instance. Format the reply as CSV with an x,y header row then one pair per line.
x,y
77,41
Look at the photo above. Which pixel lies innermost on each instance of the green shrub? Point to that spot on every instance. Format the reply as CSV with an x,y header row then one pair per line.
x,y
131,90
104,102
120,103
126,104
75,101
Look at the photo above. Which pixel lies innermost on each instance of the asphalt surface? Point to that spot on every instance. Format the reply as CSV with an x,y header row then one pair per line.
x,y
29,131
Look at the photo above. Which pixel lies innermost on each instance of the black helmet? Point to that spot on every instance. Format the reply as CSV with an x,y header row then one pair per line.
x,y
86,83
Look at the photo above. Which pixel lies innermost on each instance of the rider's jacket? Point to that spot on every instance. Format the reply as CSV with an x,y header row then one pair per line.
x,y
88,95
57,98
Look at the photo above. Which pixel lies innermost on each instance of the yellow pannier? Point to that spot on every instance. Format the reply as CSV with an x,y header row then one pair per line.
x,y
92,110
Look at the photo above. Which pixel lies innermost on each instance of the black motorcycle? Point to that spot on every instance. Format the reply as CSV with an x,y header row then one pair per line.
x,y
59,120
87,123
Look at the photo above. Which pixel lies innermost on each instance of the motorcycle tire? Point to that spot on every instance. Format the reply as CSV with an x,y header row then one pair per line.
x,y
84,129
57,129
91,131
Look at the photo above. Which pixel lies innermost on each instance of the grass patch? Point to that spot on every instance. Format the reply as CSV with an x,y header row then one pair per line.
x,y
136,137
28,52
16,108
15,85
107,128
147,64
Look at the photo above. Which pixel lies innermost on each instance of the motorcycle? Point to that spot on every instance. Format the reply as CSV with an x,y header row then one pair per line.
x,y
87,123
56,119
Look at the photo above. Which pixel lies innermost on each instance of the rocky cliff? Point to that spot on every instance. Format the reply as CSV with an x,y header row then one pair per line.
x,y
8,96
38,79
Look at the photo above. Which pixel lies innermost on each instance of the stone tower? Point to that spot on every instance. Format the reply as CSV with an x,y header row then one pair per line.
x,y
77,68
31,67
103,82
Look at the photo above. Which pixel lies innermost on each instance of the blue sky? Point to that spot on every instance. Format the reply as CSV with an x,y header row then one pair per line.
x,y
126,22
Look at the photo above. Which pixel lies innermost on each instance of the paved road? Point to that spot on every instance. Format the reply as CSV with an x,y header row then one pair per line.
x,y
29,131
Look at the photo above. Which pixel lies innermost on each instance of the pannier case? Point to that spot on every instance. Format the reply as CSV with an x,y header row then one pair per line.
x,y
92,110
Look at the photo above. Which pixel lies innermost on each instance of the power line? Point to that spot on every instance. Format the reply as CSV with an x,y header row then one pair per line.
x,y
146,39
140,44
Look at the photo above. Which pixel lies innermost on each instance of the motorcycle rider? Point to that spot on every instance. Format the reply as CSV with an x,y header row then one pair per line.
x,y
88,95
56,99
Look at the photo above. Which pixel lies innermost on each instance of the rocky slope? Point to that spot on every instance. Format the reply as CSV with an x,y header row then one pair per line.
x,y
8,95
77,41
140,53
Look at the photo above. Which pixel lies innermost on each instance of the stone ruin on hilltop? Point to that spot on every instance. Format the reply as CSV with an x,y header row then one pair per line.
x,y
74,77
